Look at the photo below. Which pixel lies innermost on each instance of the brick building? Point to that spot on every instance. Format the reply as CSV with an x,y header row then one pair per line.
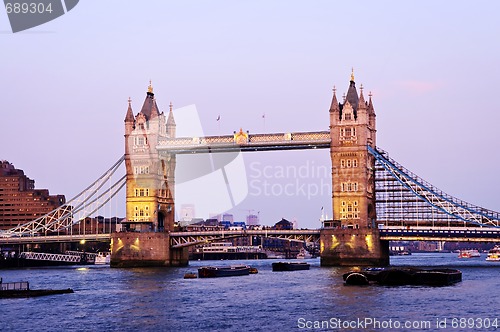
x,y
20,202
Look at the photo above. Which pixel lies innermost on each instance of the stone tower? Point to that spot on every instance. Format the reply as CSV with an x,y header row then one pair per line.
x,y
352,238
150,177
352,128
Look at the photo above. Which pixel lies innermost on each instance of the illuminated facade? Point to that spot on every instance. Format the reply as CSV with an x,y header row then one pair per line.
x,y
150,179
352,128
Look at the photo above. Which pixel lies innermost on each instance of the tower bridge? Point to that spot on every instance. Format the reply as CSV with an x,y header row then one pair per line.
x,y
374,198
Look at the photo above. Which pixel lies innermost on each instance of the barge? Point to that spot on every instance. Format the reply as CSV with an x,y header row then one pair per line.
x,y
22,289
223,271
290,266
403,276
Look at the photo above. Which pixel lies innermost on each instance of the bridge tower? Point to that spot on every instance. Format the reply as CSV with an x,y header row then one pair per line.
x,y
352,238
150,183
150,179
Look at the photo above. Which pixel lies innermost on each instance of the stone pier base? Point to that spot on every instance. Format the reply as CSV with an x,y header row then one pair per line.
x,y
353,247
131,249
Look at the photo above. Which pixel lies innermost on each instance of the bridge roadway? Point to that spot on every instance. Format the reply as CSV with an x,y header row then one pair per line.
x,y
390,233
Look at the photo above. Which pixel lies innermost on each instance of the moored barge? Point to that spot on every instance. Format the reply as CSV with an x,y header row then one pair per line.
x,y
290,266
223,271
403,276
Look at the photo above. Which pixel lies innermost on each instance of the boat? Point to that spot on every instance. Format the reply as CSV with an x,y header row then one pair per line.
x,y
22,289
494,254
273,255
253,270
472,253
303,254
223,271
190,275
290,266
102,258
226,250
403,276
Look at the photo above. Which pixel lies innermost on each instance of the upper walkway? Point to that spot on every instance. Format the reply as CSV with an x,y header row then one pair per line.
x,y
242,141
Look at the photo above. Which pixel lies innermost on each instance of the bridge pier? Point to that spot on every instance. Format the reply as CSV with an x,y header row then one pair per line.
x,y
148,249
353,247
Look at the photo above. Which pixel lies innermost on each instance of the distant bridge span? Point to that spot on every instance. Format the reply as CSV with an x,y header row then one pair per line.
x,y
389,233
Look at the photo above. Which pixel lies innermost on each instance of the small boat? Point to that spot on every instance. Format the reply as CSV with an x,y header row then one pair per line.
x,y
253,270
403,276
303,254
190,275
223,271
102,258
472,253
494,254
22,289
290,266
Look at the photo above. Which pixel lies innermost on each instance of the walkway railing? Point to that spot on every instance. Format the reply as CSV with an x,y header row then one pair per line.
x,y
403,196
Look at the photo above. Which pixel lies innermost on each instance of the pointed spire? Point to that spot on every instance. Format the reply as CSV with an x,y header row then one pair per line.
x,y
170,120
352,94
335,104
130,115
149,104
154,109
370,104
361,101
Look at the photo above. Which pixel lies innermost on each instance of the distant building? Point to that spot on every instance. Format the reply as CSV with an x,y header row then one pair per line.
x,y
217,216
187,212
228,217
20,202
283,224
252,220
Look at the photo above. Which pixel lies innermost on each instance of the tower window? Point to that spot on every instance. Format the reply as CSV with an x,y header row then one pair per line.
x,y
347,133
351,212
141,192
348,187
141,169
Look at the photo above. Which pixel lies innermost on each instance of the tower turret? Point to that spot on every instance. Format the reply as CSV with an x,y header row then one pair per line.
x,y
129,118
171,122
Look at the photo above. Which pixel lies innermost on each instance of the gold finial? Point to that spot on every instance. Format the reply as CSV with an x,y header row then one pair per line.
x,y
129,101
352,74
370,94
334,89
150,87
171,106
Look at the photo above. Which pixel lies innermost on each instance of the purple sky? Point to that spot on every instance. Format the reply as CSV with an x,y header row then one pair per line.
x,y
432,67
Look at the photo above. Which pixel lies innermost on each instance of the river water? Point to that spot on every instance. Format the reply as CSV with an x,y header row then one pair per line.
x,y
159,299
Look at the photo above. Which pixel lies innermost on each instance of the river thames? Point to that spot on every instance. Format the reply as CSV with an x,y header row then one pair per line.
x,y
159,299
